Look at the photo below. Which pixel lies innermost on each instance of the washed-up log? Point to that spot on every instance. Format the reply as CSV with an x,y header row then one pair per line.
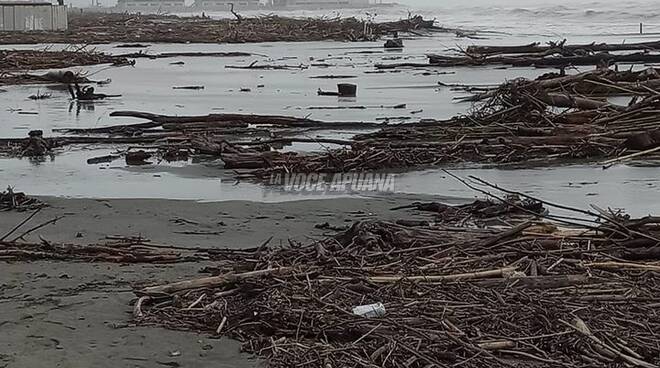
x,y
213,282
254,66
163,55
276,120
602,58
333,77
542,282
502,272
205,125
538,48
550,61
397,106
563,100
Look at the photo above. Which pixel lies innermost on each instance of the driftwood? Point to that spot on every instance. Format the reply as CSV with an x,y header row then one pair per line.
x,y
18,60
431,287
18,201
114,252
212,282
274,120
536,48
517,122
163,55
557,55
95,28
522,61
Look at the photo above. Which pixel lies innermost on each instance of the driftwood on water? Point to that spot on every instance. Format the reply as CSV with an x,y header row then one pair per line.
x,y
554,118
522,121
562,47
553,55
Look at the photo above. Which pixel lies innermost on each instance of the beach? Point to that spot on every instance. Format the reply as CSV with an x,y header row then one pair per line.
x,y
81,313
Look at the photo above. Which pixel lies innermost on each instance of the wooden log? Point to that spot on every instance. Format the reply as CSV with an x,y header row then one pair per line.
x,y
609,163
211,282
537,48
624,266
501,272
276,120
569,101
541,282
163,55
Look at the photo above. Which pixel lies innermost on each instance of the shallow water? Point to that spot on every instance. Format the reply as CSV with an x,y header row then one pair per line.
x,y
632,188
148,87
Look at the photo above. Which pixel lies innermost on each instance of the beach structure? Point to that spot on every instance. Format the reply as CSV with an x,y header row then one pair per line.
x,y
226,4
151,5
32,16
319,4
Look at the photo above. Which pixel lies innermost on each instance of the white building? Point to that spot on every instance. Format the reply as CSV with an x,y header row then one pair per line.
x,y
32,16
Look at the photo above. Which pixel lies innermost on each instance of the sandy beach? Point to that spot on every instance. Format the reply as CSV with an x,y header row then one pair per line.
x,y
73,314
521,141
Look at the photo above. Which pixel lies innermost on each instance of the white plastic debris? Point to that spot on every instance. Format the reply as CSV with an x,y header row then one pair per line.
x,y
370,310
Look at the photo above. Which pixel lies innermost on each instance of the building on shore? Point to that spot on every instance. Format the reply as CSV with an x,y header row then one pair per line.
x,y
151,5
226,4
32,16
318,4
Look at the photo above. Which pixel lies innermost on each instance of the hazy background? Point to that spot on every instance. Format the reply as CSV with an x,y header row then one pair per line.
x,y
472,3
556,18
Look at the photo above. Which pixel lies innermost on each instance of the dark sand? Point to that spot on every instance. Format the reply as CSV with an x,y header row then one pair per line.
x,y
68,314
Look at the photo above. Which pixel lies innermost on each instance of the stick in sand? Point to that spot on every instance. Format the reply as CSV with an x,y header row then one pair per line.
x,y
609,163
21,224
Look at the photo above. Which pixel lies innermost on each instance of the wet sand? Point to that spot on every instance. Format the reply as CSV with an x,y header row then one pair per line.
x,y
71,314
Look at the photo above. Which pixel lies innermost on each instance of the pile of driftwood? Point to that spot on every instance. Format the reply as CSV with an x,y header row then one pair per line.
x,y
555,55
213,134
18,201
91,28
435,295
19,60
14,65
553,119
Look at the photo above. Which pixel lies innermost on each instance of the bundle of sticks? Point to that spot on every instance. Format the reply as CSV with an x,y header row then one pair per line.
x,y
540,293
